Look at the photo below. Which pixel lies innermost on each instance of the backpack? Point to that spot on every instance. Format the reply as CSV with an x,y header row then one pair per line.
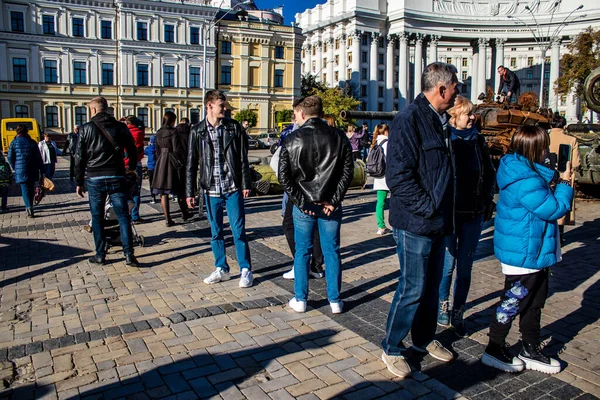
x,y
376,161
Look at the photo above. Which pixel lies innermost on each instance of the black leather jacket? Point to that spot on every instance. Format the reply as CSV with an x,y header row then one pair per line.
x,y
201,157
316,164
96,154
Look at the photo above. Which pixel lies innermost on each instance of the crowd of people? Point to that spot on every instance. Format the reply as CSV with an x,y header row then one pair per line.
x,y
438,173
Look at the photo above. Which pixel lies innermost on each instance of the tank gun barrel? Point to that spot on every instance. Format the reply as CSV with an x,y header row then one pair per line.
x,y
349,114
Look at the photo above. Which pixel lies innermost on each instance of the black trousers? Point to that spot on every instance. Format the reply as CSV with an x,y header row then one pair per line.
x,y
288,229
71,166
525,296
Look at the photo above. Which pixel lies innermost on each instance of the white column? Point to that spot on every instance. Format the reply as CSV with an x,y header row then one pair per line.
x,y
389,74
554,64
418,62
93,33
403,71
433,49
330,47
35,23
474,77
68,121
572,107
373,69
157,71
307,59
319,61
356,60
343,67
481,66
499,61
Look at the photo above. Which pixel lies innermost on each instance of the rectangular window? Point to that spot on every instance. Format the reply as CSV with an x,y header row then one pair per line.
x,y
529,74
19,70
547,74
349,74
324,78
168,76
169,33
380,91
448,60
48,25
52,116
106,29
364,40
17,21
21,111
336,59
381,75
363,57
464,75
363,73
142,31
142,113
50,71
225,47
380,59
194,35
513,62
194,77
142,75
77,27
363,90
279,52
530,61
380,42
529,87
79,75
226,75
194,116
337,44
108,72
278,78
336,76
349,41
349,58
465,62
80,115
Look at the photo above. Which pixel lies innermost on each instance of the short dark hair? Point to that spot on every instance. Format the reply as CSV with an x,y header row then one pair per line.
x,y
501,66
558,121
213,95
531,142
169,118
184,120
21,129
311,105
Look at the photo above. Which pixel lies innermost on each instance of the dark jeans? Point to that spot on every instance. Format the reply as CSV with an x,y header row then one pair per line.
x,y
4,195
523,295
460,250
415,304
364,153
234,203
288,230
28,191
135,211
72,166
150,180
115,188
49,170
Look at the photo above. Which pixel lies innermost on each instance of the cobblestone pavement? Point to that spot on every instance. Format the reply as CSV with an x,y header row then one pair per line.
x,y
69,329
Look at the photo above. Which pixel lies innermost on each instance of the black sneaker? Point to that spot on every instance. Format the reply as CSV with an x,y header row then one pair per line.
x,y
96,260
532,356
499,357
131,260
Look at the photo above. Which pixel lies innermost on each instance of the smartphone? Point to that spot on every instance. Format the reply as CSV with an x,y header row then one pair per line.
x,y
564,155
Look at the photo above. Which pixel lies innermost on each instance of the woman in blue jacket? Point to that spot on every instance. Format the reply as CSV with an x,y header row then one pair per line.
x,y
526,243
150,152
25,159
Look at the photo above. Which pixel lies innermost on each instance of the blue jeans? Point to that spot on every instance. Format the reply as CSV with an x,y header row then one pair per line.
x,y
329,230
364,153
234,203
28,191
459,253
98,190
135,211
49,170
415,304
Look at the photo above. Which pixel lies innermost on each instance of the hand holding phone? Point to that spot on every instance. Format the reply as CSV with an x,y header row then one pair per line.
x,y
564,156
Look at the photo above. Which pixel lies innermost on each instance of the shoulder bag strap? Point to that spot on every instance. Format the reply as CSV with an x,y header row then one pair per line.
x,y
107,136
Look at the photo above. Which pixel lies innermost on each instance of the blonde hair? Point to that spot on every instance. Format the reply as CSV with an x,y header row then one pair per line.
x,y
462,105
351,128
379,130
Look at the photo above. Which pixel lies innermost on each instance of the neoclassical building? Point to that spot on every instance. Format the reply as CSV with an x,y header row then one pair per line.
x,y
144,56
381,47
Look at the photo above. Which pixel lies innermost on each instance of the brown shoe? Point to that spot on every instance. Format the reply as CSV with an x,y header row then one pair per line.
x,y
397,365
437,351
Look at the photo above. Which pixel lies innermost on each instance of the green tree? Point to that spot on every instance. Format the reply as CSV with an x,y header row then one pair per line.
x,y
246,115
334,101
575,66
284,116
309,84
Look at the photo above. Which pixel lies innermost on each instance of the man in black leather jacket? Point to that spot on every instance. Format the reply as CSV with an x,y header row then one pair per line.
x,y
509,83
218,161
315,170
105,169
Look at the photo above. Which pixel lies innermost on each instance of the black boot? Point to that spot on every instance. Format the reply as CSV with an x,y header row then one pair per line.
x,y
499,357
131,260
30,212
458,323
96,260
532,356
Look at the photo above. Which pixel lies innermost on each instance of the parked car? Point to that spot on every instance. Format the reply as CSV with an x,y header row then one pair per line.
x,y
252,142
266,140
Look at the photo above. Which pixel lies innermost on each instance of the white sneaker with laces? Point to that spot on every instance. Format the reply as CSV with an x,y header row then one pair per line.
x,y
246,278
289,274
383,231
217,276
296,305
337,308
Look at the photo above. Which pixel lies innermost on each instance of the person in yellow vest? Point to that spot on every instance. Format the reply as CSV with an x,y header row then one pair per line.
x,y
558,137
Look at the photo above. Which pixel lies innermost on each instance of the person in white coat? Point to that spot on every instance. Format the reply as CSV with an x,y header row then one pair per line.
x,y
49,152
380,137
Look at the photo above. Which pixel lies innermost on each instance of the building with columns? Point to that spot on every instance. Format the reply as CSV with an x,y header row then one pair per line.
x,y
380,48
144,56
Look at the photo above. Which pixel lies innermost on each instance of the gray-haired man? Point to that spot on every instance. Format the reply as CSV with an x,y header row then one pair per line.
x,y
421,179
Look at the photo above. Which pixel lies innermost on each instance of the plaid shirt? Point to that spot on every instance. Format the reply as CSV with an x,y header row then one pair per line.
x,y
222,178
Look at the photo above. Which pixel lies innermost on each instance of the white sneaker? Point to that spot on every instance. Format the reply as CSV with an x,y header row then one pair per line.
x,y
296,305
289,274
246,278
337,308
217,276
383,231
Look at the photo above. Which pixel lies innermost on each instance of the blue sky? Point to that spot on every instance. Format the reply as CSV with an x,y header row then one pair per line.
x,y
290,7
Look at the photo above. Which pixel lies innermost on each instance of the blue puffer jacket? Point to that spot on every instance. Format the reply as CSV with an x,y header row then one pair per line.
x,y
25,159
525,227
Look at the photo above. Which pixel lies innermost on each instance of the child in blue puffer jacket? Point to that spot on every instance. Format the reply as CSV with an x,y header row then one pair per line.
x,y
526,243
150,152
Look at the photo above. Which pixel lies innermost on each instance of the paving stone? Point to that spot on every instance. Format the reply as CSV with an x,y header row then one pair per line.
x,y
97,335
51,344
141,326
127,328
113,331
215,310
16,352
176,383
82,337
34,348
155,323
176,318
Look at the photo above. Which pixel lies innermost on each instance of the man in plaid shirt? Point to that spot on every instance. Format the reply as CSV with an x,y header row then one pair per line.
x,y
218,161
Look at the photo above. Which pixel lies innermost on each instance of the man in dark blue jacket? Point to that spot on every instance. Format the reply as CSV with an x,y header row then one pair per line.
x,y
420,176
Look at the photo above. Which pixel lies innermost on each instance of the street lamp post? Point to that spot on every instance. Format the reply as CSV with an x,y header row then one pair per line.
x,y
205,32
544,41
